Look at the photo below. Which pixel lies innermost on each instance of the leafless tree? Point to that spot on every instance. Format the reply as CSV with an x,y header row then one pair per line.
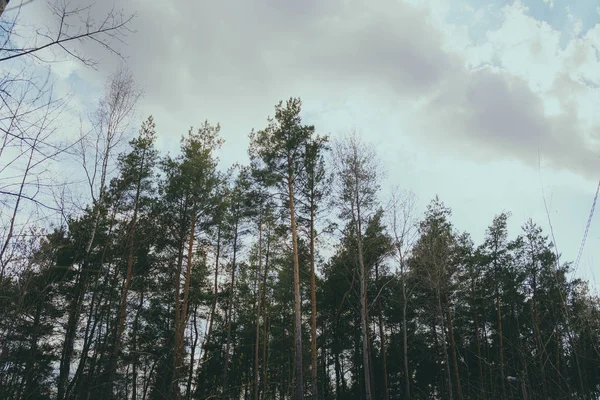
x,y
110,124
27,124
29,109
403,226
357,184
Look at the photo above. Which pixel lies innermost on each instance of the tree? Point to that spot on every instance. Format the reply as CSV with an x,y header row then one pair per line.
x,y
314,188
357,186
403,228
190,190
433,255
278,152
135,181
29,110
496,255
111,122
117,295
239,210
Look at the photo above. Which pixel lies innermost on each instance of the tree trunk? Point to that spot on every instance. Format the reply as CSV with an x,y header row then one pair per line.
x,y
299,392
478,340
92,319
30,385
181,313
177,283
71,330
404,336
338,374
386,394
500,342
540,344
230,309
363,294
444,344
134,346
524,374
265,322
258,310
216,293
453,345
188,392
313,300
74,312
125,292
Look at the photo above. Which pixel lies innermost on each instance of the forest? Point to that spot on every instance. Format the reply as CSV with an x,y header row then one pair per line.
x,y
292,276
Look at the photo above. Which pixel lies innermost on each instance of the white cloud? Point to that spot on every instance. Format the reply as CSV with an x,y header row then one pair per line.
x,y
211,60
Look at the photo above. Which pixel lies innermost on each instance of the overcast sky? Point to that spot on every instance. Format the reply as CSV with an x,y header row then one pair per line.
x,y
483,102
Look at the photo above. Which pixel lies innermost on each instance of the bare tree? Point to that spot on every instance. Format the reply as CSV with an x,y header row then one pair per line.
x,y
404,230
357,186
27,122
110,123
29,111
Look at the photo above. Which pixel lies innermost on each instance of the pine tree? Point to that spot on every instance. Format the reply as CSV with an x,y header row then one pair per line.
x,y
278,152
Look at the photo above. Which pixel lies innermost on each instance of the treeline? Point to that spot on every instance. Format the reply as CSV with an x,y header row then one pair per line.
x,y
180,281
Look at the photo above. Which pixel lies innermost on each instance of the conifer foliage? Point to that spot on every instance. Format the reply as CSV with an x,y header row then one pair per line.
x,y
288,278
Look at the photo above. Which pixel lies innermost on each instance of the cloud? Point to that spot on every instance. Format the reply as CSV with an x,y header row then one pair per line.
x,y
499,116
505,96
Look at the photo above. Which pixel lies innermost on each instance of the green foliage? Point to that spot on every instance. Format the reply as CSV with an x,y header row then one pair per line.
x,y
475,312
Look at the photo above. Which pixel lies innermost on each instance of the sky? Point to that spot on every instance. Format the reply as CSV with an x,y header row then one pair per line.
x,y
491,105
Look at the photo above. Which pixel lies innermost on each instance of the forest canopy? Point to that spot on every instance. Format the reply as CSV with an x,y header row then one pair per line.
x,y
181,281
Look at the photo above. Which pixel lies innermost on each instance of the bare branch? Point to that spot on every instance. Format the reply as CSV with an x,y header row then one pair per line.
x,y
113,27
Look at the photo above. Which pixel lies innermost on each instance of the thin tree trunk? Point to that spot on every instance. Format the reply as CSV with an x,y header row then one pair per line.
x,y
500,342
386,394
404,335
265,322
216,293
188,391
177,310
230,309
444,344
524,374
134,346
478,341
313,300
338,374
559,376
188,278
92,319
33,345
540,343
370,345
70,332
258,310
74,312
453,345
536,326
487,370
363,288
148,380
181,315
297,300
125,292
